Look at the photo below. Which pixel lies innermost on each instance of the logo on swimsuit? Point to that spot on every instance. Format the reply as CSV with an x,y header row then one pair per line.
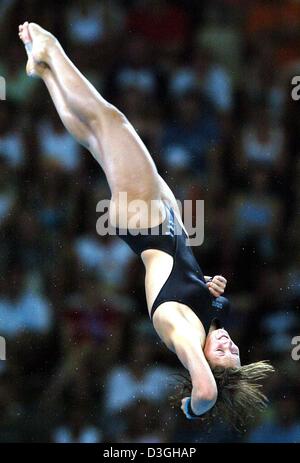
x,y
2,88
2,348
296,349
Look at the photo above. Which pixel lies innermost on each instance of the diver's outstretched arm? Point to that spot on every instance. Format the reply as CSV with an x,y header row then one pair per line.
x,y
190,353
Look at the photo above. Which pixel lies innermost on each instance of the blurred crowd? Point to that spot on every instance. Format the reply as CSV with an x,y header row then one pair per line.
x,y
207,86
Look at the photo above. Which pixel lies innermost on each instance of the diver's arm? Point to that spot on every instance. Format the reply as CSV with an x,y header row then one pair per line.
x,y
190,353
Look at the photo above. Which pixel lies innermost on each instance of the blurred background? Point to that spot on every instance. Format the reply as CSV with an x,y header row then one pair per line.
x,y
207,86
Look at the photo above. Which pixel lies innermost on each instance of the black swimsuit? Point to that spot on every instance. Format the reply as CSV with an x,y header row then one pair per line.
x,y
186,283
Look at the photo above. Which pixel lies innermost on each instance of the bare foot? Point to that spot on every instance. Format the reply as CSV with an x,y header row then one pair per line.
x,y
42,42
33,68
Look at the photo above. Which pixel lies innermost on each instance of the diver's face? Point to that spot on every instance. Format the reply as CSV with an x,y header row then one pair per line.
x,y
220,350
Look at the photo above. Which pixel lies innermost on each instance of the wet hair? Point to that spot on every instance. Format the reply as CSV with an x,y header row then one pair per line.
x,y
240,397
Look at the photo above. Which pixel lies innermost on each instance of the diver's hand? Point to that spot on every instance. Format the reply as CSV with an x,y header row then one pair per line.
x,y
217,285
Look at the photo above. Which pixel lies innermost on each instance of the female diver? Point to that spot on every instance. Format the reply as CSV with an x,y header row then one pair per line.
x,y
186,308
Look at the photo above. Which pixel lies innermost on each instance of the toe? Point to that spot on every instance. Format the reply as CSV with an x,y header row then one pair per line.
x,y
35,28
31,29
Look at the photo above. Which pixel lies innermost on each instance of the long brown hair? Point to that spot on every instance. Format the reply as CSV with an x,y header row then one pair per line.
x,y
239,394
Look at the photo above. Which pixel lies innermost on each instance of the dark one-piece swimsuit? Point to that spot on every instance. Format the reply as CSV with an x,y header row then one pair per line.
x,y
186,283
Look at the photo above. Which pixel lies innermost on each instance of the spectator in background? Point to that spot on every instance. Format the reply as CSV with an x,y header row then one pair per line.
x,y
214,80
12,148
144,425
162,24
135,87
21,310
76,428
279,327
28,244
209,77
19,88
257,213
8,193
278,19
58,146
139,379
262,144
90,22
220,35
5,6
106,257
9,411
93,318
190,136
71,395
97,26
283,428
204,73
137,67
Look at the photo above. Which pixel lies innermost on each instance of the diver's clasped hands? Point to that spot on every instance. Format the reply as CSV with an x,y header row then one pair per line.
x,y
216,285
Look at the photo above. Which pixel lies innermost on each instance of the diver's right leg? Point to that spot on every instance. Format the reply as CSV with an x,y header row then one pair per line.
x,y
113,141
